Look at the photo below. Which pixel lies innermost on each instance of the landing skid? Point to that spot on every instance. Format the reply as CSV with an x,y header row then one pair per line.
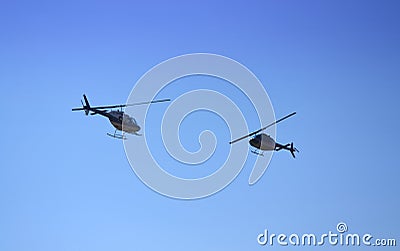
x,y
117,136
257,153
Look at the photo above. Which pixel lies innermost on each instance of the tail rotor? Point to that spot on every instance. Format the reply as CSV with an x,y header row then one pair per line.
x,y
293,150
85,106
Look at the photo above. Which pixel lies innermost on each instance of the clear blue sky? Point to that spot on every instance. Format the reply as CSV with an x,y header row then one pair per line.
x,y
65,185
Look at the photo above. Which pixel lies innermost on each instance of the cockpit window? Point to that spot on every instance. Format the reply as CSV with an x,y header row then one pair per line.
x,y
129,119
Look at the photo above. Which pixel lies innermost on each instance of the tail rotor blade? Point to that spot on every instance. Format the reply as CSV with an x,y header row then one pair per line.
x,y
86,106
86,101
293,150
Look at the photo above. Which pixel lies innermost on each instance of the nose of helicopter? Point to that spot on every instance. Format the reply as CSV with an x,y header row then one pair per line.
x,y
255,143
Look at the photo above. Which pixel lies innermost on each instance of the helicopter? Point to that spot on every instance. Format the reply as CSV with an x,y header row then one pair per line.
x,y
264,142
120,120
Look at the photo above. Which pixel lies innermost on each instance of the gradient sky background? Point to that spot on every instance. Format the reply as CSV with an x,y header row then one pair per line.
x,y
65,185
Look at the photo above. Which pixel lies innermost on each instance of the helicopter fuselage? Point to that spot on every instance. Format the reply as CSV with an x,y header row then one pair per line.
x,y
120,120
263,142
123,122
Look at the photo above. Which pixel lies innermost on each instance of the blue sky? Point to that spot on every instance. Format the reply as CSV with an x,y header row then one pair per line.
x,y
65,185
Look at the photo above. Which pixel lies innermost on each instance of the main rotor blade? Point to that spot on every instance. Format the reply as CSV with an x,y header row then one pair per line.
x,y
133,104
262,129
150,102
276,122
